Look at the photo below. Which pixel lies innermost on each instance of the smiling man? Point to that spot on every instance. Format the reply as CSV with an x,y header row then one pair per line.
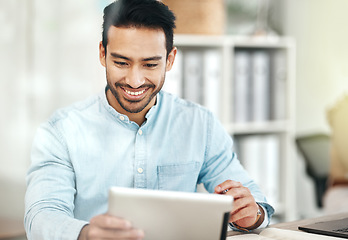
x,y
132,135
136,61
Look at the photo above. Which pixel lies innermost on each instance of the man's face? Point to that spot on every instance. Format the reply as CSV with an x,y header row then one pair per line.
x,y
135,63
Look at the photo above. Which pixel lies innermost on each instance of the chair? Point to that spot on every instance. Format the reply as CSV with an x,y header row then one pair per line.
x,y
315,149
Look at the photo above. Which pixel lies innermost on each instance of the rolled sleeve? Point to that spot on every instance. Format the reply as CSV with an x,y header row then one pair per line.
x,y
50,189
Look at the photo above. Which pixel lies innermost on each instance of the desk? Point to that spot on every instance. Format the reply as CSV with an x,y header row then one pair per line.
x,y
294,225
11,228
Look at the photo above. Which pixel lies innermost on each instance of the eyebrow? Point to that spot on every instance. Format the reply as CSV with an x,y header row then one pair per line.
x,y
116,55
154,58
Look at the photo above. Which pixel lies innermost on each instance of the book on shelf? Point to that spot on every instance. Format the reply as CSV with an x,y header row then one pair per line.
x,y
242,91
174,78
212,80
249,151
252,85
193,75
196,76
259,155
260,85
280,234
278,84
271,155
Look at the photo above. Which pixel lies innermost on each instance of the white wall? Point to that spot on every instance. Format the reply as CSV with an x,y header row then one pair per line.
x,y
321,33
320,30
13,120
49,59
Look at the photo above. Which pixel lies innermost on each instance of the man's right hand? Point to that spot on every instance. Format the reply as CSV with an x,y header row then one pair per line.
x,y
109,227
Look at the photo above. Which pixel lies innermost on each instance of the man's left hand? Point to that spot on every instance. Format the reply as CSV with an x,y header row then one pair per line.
x,y
244,211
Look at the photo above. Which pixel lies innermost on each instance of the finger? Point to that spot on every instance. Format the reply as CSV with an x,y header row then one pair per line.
x,y
240,192
247,214
242,203
102,233
110,222
227,185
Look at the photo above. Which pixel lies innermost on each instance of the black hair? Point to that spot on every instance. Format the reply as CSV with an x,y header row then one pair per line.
x,y
139,13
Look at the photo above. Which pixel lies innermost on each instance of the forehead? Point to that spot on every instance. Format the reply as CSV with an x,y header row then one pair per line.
x,y
142,42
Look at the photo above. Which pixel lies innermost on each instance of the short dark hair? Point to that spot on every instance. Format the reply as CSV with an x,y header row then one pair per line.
x,y
139,13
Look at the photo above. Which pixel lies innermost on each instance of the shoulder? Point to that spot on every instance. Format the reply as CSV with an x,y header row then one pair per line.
x,y
188,115
80,109
69,123
179,105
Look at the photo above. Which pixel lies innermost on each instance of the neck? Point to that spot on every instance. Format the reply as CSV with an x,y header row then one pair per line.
x,y
136,117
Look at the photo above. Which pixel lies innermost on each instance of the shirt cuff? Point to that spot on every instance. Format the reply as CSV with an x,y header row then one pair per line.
x,y
265,220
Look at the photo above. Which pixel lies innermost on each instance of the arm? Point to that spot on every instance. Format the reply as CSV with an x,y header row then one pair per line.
x,y
50,189
223,171
51,192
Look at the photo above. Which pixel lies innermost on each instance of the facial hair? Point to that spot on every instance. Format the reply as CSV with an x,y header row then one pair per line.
x,y
145,101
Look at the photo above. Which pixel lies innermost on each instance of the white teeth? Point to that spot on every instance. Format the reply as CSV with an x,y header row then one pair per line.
x,y
135,93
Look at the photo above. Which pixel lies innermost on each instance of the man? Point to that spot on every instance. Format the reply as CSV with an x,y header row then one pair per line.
x,y
131,135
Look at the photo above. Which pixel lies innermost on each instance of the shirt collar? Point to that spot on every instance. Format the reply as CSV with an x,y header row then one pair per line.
x,y
155,108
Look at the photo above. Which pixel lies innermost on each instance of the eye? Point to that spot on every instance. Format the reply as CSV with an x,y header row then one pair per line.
x,y
120,64
151,65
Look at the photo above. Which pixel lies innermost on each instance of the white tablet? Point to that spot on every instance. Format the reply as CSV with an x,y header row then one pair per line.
x,y
172,215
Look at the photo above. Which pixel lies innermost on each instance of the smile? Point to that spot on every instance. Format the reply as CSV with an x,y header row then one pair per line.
x,y
134,93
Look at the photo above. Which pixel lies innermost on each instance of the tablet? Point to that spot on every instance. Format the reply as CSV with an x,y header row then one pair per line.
x,y
172,215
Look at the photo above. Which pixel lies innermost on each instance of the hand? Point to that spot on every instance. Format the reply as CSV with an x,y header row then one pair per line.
x,y
109,227
244,211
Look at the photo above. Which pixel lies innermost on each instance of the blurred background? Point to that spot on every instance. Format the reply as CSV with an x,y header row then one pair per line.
x,y
49,59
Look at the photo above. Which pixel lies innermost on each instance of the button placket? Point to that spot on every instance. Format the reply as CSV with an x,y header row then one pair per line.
x,y
140,160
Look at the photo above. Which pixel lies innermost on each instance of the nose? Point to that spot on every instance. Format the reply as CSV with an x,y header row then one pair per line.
x,y
135,78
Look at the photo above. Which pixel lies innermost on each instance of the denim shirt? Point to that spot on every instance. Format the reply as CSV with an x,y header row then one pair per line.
x,y
84,149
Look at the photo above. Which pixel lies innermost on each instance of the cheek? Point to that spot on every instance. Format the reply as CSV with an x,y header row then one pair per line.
x,y
115,74
157,78
158,75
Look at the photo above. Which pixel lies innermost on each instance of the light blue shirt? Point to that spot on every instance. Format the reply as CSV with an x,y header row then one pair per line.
x,y
84,149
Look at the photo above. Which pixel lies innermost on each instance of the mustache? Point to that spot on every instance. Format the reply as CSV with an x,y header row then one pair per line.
x,y
122,85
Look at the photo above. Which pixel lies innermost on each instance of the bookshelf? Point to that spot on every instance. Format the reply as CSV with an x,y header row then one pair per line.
x,y
269,118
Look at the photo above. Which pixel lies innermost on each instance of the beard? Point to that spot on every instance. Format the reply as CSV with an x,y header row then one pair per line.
x,y
134,106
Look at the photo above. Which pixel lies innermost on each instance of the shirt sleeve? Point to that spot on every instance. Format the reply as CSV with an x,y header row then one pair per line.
x,y
49,200
222,164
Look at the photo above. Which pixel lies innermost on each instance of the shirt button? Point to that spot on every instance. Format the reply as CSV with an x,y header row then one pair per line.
x,y
140,132
122,118
140,170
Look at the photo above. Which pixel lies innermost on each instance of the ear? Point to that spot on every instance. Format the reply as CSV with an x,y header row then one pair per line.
x,y
171,58
102,57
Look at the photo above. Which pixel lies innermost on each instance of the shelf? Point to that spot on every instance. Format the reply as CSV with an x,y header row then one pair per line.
x,y
261,42
273,136
198,40
257,127
236,41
